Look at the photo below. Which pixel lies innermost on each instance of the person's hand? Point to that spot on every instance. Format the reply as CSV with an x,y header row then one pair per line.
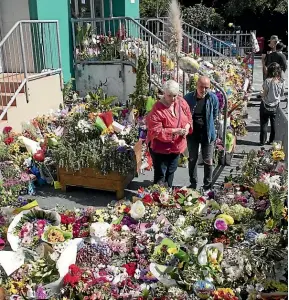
x,y
187,128
179,131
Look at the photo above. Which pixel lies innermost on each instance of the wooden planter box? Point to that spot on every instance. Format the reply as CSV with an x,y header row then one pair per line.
x,y
91,178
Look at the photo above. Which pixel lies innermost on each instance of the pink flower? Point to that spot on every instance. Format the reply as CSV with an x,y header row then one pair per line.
x,y
41,224
221,225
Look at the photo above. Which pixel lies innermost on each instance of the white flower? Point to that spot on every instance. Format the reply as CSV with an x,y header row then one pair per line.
x,y
164,197
189,199
180,221
187,203
137,210
99,229
83,126
195,250
125,228
137,274
189,231
155,227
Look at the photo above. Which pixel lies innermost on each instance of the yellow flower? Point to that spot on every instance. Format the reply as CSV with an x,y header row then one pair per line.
x,y
278,155
172,250
121,208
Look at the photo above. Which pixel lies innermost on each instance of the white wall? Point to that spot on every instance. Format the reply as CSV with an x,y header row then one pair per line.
x,y
11,12
88,77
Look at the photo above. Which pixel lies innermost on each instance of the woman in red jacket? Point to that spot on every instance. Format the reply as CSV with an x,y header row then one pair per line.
x,y
168,124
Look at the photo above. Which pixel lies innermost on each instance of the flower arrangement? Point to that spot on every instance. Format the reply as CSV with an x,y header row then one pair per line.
x,y
29,227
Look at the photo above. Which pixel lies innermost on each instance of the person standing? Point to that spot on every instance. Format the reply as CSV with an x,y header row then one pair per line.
x,y
204,107
266,51
273,90
168,124
278,57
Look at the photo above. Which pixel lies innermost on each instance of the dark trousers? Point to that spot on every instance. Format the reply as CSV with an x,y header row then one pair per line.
x,y
194,141
165,166
265,116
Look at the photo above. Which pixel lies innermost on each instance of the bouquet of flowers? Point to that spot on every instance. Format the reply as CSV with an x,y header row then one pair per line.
x,y
28,227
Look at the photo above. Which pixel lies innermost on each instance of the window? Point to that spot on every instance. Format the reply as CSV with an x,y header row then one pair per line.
x,y
87,8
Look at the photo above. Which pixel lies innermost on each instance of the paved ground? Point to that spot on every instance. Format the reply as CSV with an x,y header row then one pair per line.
x,y
77,197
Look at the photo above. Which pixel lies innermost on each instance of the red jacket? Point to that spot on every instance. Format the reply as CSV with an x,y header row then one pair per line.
x,y
160,123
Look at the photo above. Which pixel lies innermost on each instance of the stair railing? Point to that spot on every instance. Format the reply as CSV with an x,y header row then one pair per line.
x,y
195,40
30,50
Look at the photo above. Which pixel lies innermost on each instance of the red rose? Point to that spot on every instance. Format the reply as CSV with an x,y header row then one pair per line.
x,y
7,129
130,268
8,140
127,210
156,196
147,199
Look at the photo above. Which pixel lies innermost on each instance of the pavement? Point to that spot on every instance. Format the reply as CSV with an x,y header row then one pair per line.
x,y
47,197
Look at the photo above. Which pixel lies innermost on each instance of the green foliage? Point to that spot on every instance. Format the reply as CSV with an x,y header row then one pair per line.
x,y
68,91
105,158
152,8
235,8
99,101
138,98
202,17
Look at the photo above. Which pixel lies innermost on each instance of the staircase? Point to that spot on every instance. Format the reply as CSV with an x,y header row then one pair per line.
x,y
28,54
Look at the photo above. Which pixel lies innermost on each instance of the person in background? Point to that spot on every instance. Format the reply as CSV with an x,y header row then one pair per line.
x,y
278,57
168,124
273,90
267,50
204,107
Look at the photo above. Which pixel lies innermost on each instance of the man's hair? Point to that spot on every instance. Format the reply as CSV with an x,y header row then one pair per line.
x,y
274,71
171,87
280,46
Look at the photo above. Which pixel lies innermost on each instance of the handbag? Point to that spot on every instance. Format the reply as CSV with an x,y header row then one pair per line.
x,y
166,146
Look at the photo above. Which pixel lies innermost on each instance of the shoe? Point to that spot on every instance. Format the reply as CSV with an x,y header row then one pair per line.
x,y
261,144
269,143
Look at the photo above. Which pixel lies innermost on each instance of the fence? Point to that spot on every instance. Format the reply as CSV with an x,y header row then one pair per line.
x,y
194,40
29,50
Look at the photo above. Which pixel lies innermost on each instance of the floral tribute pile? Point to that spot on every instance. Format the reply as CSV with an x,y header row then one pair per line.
x,y
178,244
90,132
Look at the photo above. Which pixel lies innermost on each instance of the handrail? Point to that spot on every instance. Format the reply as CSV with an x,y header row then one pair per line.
x,y
188,35
27,52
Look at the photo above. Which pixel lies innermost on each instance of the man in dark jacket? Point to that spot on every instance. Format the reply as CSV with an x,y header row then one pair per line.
x,y
277,57
204,107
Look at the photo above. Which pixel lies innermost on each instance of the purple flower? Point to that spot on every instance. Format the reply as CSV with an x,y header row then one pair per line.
x,y
128,221
41,293
221,225
221,100
122,149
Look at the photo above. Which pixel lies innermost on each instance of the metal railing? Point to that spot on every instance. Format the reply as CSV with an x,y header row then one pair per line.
x,y
242,40
30,50
194,40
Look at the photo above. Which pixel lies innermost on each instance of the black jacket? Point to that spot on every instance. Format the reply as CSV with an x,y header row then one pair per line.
x,y
277,57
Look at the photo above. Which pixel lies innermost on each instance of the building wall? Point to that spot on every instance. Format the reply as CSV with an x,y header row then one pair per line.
x,y
47,89
57,10
11,12
88,77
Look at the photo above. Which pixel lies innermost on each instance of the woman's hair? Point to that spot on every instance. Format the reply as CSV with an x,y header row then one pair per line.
x,y
171,87
280,46
274,71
